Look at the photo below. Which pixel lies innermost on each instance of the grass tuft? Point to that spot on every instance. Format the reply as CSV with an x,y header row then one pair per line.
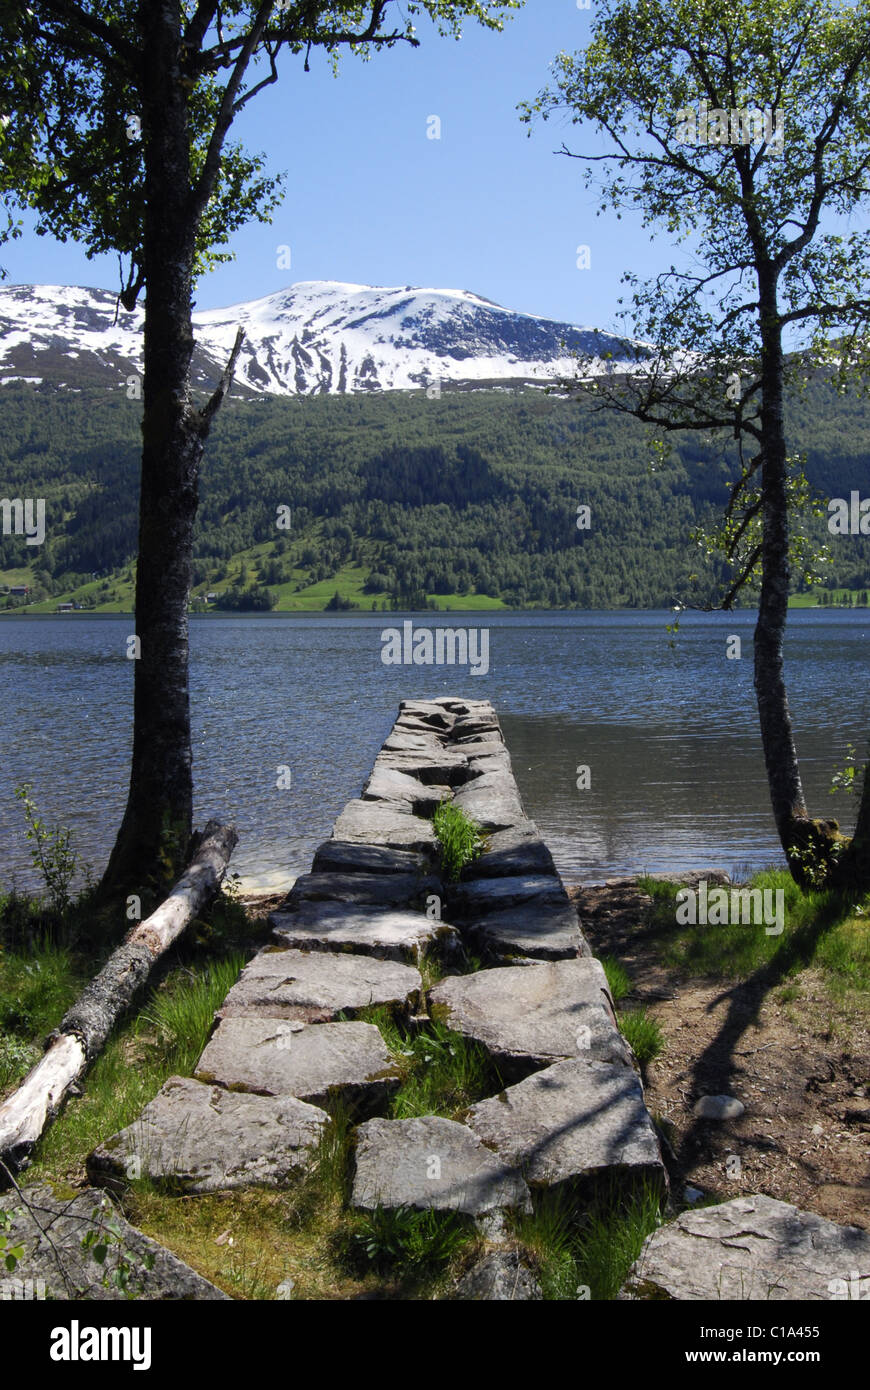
x,y
459,837
584,1248
619,981
642,1033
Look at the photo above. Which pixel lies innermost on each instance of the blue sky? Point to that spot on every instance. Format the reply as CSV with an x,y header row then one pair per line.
x,y
371,200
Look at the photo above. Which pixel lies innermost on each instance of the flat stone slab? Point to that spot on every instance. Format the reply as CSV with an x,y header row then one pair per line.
x,y
536,1016
401,741
752,1248
433,711
489,760
493,808
312,1061
55,1266
431,1163
546,931
518,850
389,934
375,823
390,784
485,724
477,896
575,1120
204,1139
315,986
378,890
429,767
340,856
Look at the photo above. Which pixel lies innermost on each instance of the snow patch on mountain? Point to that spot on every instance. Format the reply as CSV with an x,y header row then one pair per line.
x,y
315,337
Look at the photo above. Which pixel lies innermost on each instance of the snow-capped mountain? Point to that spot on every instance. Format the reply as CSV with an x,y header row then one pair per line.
x,y
315,337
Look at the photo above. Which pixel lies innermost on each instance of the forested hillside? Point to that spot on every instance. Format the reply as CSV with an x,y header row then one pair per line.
x,y
398,499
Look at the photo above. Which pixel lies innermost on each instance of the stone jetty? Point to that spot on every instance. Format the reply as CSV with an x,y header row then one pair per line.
x,y
375,913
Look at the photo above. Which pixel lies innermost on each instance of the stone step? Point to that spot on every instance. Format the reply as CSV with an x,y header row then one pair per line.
x,y
342,856
377,823
315,1062
531,1018
495,805
316,986
396,934
376,890
475,897
517,850
574,1121
752,1248
434,1163
403,741
200,1138
548,931
448,767
391,785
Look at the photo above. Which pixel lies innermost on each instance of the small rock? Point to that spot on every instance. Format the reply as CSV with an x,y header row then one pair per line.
x,y
692,1195
499,1276
719,1108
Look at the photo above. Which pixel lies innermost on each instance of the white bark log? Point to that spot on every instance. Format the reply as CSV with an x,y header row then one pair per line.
x,y
86,1026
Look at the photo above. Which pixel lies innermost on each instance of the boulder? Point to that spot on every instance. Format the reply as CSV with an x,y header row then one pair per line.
x,y
54,1265
752,1248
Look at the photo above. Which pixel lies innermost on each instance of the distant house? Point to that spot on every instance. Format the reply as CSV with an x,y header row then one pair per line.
x,y
19,590
210,598
64,608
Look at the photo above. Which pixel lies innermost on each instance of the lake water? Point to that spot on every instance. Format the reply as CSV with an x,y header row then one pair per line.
x,y
670,733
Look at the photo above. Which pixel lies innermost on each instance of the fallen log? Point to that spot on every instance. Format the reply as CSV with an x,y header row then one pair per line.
x,y
86,1026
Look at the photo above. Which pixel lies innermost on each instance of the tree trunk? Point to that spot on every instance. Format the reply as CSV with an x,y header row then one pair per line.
x,y
808,844
780,755
155,831
86,1026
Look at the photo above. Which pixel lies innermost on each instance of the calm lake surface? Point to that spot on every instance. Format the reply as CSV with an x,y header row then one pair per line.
x,y
670,733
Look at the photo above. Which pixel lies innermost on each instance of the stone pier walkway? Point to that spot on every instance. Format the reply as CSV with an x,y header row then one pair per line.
x,y
353,933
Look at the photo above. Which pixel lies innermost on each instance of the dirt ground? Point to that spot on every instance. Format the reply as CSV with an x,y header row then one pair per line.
x,y
801,1068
